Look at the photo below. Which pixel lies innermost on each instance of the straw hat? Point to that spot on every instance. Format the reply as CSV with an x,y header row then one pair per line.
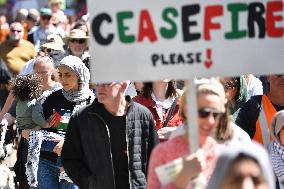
x,y
76,34
54,42
55,2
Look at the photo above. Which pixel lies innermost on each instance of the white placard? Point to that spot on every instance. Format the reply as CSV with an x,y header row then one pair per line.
x,y
150,40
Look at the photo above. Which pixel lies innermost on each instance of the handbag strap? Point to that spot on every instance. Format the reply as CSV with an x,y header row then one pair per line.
x,y
171,112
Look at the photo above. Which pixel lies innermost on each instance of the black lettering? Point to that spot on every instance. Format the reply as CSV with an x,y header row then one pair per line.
x,y
155,58
255,15
180,59
163,59
186,23
96,25
198,57
190,60
172,58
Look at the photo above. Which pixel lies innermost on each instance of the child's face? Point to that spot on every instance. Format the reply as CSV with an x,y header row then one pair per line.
x,y
281,136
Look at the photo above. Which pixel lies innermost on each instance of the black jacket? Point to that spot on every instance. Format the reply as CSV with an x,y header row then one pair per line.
x,y
86,154
249,114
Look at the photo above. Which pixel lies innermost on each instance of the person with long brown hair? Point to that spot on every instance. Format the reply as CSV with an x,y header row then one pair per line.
x,y
160,97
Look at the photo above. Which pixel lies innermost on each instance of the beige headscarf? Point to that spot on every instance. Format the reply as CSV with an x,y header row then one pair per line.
x,y
277,124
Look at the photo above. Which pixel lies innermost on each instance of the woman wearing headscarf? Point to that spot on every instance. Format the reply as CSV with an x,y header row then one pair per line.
x,y
276,147
45,145
236,92
243,166
44,67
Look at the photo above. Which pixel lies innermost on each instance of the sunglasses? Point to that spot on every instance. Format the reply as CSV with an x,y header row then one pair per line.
x,y
205,112
80,41
46,17
46,50
13,30
279,75
230,85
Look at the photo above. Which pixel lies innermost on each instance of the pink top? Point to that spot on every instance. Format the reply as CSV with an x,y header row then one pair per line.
x,y
175,148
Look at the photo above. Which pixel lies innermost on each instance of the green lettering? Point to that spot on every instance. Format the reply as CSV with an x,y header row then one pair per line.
x,y
171,32
235,9
122,28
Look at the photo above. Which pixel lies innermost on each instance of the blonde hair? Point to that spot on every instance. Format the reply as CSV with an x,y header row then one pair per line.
x,y
212,86
48,61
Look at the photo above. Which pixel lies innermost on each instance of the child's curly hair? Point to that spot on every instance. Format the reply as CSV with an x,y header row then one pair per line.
x,y
26,87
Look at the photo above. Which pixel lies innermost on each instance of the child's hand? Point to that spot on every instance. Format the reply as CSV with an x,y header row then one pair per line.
x,y
52,119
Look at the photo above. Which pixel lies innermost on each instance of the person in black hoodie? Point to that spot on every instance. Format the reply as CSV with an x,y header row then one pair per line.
x,y
108,143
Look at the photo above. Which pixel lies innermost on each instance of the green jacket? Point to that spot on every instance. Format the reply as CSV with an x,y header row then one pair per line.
x,y
29,114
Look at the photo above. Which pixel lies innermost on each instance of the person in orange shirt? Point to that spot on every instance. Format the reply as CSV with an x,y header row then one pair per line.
x,y
4,28
256,114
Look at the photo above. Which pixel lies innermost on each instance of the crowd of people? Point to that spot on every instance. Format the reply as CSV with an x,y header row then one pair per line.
x,y
70,133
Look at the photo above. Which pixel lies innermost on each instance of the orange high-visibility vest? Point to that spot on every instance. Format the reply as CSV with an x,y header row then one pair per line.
x,y
269,111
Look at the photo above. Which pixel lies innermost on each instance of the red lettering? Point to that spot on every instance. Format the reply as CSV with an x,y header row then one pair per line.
x,y
210,12
271,19
146,28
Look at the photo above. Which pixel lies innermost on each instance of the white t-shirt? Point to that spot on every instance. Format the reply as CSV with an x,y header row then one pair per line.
x,y
28,68
254,87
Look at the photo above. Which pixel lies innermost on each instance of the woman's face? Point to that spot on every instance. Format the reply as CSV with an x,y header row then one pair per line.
x,y
230,88
45,71
138,85
281,136
161,84
68,79
244,174
210,109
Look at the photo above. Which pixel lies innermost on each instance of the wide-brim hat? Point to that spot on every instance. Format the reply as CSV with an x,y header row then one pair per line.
x,y
55,1
54,42
76,34
33,15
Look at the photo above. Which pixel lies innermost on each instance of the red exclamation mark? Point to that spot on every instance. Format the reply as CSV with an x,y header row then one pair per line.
x,y
208,62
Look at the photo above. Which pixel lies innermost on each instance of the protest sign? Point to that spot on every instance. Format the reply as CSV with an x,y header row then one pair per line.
x,y
153,40
150,40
